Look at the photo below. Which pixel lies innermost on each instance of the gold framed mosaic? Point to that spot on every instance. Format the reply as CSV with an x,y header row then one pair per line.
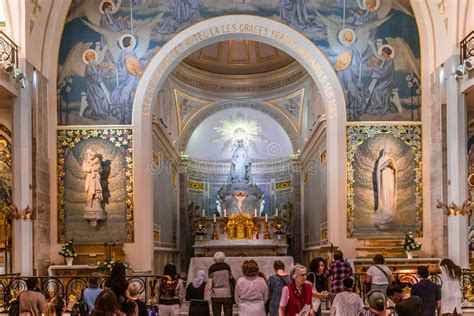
x,y
384,181
114,147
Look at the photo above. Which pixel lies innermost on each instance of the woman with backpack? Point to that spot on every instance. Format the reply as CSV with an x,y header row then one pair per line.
x,y
169,292
276,283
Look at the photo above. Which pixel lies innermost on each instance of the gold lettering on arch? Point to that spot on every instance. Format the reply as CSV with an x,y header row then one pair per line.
x,y
257,29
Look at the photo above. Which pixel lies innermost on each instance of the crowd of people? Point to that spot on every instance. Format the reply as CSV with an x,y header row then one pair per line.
x,y
301,291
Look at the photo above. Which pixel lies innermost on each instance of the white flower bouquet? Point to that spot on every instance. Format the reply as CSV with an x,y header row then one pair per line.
x,y
68,250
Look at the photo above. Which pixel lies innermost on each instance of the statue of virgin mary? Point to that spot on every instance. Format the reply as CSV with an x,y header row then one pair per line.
x,y
240,165
387,191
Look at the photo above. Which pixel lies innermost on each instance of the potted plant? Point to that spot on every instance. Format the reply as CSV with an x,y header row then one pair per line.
x,y
67,251
279,230
200,231
410,245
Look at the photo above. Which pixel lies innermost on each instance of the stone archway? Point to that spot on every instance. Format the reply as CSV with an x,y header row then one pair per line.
x,y
211,31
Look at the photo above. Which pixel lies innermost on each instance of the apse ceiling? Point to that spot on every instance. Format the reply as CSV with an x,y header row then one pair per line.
x,y
212,139
238,57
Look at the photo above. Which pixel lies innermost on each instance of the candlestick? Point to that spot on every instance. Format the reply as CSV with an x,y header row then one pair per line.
x,y
266,218
225,213
214,218
215,236
255,212
276,212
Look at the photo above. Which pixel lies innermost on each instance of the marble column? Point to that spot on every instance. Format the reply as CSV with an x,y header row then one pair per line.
x,y
22,175
456,134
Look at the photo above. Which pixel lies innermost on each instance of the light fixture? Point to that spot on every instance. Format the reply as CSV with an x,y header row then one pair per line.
x,y
460,71
469,63
8,67
20,77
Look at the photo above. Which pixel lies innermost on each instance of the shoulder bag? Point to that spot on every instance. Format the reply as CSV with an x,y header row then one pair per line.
x,y
315,301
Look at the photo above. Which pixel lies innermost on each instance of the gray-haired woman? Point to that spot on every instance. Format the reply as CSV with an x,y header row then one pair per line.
x,y
296,296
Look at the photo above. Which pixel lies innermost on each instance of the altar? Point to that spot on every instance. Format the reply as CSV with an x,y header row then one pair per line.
x,y
241,248
241,235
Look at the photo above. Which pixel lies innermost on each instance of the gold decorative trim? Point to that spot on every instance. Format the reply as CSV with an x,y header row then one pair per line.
x,y
67,140
283,185
183,123
274,103
324,157
195,185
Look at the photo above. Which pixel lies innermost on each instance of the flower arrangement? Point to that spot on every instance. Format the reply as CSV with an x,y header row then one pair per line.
x,y
410,243
106,265
200,230
67,250
279,229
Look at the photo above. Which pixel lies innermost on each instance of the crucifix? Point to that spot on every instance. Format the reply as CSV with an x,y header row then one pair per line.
x,y
241,196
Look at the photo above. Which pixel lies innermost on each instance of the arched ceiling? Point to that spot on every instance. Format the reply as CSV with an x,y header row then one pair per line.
x,y
238,57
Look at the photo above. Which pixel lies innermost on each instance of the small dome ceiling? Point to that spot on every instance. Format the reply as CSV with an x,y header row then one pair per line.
x,y
213,138
238,57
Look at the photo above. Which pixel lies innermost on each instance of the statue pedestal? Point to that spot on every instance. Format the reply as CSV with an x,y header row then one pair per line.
x,y
93,215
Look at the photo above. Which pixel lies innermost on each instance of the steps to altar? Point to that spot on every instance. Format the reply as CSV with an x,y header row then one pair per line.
x,y
388,248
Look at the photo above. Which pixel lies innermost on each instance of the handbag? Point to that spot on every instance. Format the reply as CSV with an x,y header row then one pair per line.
x,y
368,286
208,290
315,301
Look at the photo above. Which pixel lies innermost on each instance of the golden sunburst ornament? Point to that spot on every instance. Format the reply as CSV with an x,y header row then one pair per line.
x,y
239,129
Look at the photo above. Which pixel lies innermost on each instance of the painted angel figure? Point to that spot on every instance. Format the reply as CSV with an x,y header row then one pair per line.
x,y
294,13
83,61
127,51
351,50
98,97
379,99
128,75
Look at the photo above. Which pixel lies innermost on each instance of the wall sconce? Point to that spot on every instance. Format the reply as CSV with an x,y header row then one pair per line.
x,y
465,67
11,212
453,209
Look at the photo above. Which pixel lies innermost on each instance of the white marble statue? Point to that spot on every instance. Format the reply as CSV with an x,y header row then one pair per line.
x,y
387,190
92,169
240,165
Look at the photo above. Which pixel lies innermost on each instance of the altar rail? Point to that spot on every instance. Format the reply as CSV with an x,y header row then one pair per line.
x,y
407,280
70,288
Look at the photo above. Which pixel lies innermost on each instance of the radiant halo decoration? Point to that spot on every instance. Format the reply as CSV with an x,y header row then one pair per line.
x,y
239,129
361,4
379,50
133,42
87,51
346,36
114,7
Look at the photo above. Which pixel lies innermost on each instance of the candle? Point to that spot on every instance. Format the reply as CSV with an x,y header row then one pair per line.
x,y
266,218
203,213
215,218
276,213
255,212
225,212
